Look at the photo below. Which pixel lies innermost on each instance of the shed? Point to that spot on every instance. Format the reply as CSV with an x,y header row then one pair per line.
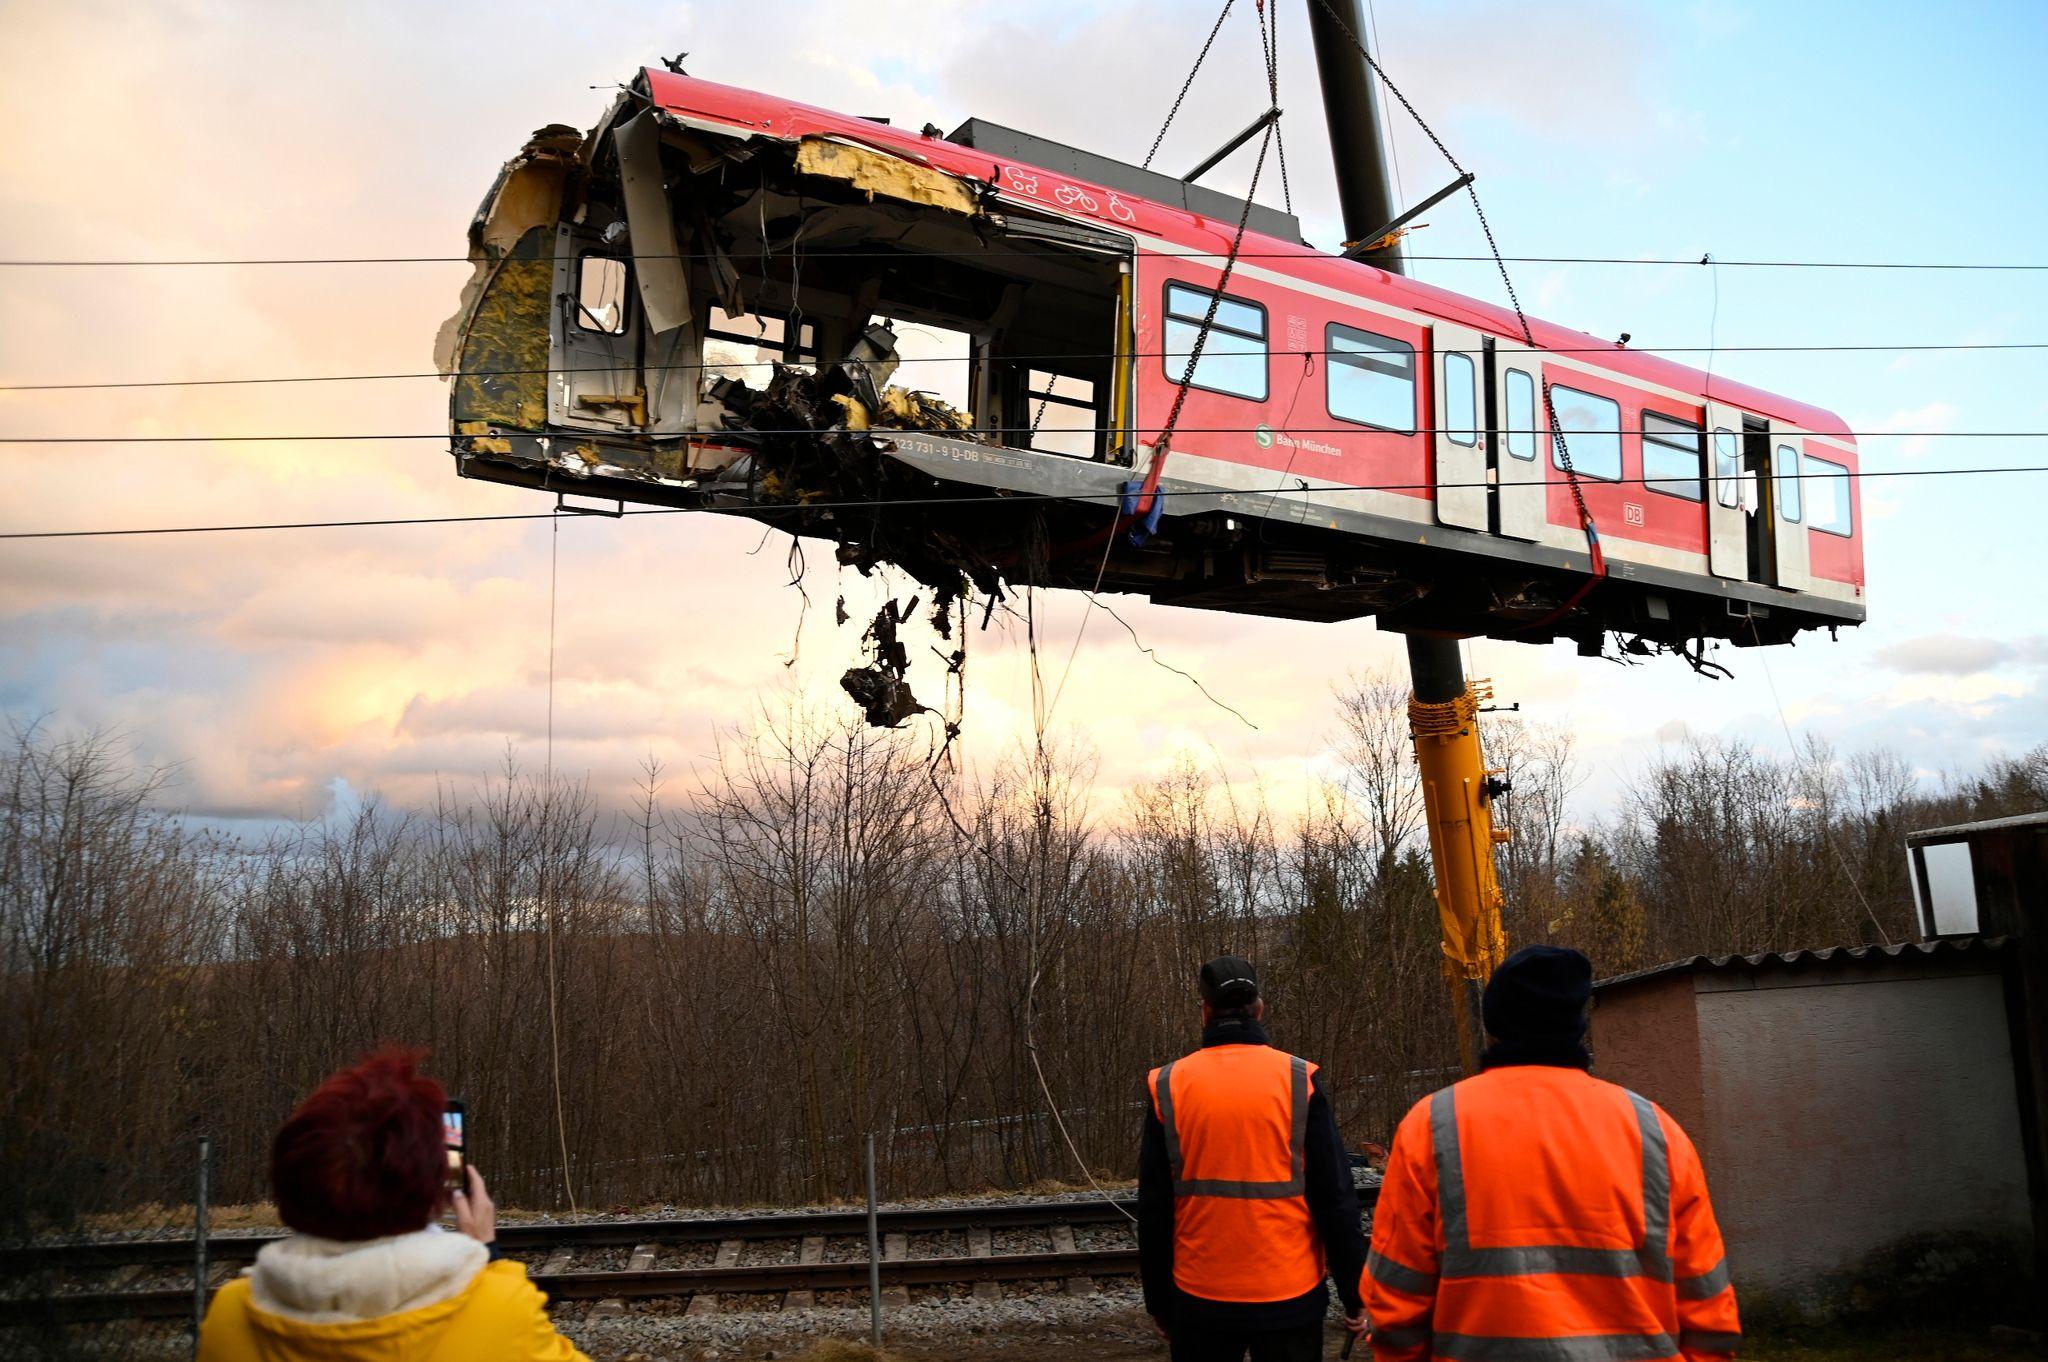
x,y
1845,1102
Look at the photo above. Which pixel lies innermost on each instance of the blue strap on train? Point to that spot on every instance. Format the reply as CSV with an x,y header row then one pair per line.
x,y
1148,524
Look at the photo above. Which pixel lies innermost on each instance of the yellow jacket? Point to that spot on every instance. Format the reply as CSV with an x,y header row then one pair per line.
x,y
497,1315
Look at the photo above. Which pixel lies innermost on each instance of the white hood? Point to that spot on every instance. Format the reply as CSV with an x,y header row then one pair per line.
x,y
328,1281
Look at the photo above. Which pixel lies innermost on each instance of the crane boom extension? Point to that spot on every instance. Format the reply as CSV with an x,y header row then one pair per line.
x,y
1443,715
1457,792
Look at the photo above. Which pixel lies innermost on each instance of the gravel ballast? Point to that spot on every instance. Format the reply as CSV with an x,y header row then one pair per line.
x,y
1114,1314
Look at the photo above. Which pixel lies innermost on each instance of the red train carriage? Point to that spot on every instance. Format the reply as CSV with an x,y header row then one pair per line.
x,y
703,303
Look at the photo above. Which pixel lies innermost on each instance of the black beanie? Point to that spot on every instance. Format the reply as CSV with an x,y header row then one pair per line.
x,y
1539,993
1229,981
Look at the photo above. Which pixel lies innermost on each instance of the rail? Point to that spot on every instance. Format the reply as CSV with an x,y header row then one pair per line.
x,y
554,1244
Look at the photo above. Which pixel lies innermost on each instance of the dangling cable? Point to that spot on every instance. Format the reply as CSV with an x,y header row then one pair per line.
x,y
547,901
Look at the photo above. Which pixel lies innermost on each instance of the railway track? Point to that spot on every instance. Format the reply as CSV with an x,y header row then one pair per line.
x,y
789,1253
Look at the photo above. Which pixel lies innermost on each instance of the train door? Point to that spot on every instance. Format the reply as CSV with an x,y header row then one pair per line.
x,y
1759,503
1518,469
1788,518
1727,537
1460,439
593,340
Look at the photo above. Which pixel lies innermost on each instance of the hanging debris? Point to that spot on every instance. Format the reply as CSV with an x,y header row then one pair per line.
x,y
879,688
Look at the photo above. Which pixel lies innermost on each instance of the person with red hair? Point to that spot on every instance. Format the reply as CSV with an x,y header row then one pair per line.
x,y
359,1172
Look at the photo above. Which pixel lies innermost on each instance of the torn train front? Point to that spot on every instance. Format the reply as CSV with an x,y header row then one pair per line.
x,y
956,354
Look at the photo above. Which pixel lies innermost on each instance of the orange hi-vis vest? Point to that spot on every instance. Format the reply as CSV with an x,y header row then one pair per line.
x,y
1538,1214
1236,1119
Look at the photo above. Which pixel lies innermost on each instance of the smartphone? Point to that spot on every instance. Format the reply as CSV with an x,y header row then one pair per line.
x,y
458,1153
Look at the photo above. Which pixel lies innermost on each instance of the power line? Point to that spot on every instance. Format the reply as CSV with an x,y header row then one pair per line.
x,y
1613,350
885,432
1312,254
1018,500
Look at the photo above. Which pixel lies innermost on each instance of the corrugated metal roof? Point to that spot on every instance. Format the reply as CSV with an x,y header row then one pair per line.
x,y
1826,957
2018,820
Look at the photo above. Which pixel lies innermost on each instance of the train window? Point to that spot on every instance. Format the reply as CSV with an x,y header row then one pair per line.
x,y
1671,457
932,359
1520,419
1461,398
1233,357
1592,430
1370,379
601,294
1727,467
1827,496
1785,481
1063,414
748,345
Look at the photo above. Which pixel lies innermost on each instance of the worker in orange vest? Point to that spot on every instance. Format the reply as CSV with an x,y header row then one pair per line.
x,y
1245,1199
1536,1212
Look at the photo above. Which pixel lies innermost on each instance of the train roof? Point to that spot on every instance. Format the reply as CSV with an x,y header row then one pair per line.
x,y
706,102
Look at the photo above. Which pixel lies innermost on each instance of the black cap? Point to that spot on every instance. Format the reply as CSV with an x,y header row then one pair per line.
x,y
1230,981
1539,992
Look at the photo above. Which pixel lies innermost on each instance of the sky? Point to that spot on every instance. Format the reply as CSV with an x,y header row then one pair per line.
x,y
290,674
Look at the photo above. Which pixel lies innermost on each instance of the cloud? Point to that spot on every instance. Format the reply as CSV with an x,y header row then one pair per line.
x,y
1926,423
1976,693
1958,655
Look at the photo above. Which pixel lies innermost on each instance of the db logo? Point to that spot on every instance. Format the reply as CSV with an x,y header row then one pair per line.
x,y
1631,514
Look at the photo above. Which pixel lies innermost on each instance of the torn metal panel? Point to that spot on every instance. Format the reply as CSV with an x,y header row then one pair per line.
x,y
529,192
531,189
657,258
879,172
481,441
501,373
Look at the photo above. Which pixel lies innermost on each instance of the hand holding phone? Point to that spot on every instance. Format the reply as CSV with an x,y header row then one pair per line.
x,y
476,1215
458,1150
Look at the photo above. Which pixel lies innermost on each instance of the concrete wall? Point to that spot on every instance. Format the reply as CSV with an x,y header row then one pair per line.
x,y
1845,1109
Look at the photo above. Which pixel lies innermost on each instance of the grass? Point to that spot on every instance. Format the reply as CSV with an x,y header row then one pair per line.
x,y
154,1216
839,1350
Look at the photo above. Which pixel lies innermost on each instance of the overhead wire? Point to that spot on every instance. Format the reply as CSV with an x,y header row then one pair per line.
x,y
1710,349
1302,253
1012,500
712,436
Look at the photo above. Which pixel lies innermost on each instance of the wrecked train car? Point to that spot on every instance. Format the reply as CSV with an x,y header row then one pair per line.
x,y
725,300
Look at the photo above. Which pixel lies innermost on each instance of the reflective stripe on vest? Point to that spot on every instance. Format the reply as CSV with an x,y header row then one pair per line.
x,y
1579,1348
1651,1259
1297,1147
